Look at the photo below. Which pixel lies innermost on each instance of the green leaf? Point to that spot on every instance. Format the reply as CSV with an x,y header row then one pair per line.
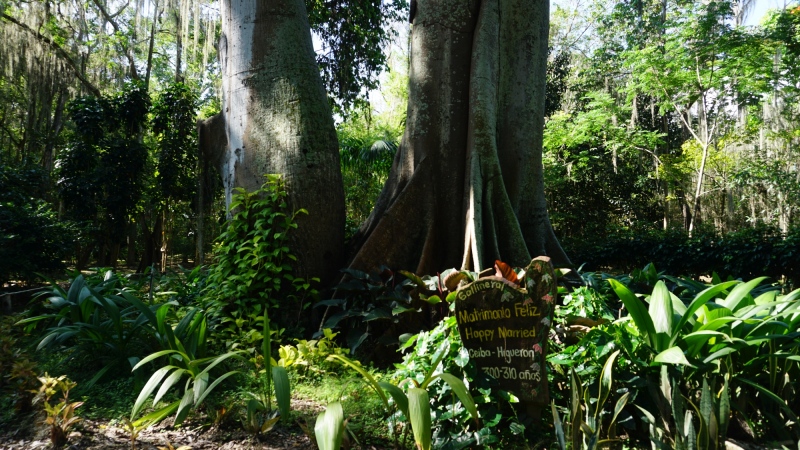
x,y
463,394
167,384
623,400
148,389
606,378
419,409
640,315
157,415
283,390
184,407
152,357
329,428
701,299
661,308
400,398
562,443
199,386
661,313
740,292
672,355
211,387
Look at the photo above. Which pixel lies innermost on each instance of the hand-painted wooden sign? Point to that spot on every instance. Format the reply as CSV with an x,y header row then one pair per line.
x,y
505,328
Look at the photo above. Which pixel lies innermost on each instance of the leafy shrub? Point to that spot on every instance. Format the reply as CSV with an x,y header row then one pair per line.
x,y
365,303
747,253
252,268
310,357
693,354
99,320
60,416
17,371
451,404
32,239
185,349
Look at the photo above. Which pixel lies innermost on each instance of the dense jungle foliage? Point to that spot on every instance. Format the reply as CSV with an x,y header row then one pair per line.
x,y
129,293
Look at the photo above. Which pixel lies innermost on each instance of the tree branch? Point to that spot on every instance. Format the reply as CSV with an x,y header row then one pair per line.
x,y
59,51
110,19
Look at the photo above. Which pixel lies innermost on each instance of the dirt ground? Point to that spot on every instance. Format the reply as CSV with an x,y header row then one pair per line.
x,y
100,435
94,435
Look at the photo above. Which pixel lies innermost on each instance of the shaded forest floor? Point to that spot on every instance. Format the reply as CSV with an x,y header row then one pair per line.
x,y
30,434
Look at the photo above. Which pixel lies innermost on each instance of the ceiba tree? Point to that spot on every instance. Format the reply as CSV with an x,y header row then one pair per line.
x,y
466,186
276,119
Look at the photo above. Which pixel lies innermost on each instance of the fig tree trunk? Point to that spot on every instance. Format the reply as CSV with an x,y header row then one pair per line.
x,y
466,186
276,119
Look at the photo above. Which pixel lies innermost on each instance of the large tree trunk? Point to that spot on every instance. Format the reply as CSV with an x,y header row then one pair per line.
x,y
278,120
466,186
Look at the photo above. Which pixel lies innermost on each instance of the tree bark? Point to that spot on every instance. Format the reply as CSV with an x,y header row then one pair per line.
x,y
278,120
467,184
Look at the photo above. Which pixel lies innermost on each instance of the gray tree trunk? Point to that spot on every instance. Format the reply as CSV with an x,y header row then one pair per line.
x,y
278,120
467,184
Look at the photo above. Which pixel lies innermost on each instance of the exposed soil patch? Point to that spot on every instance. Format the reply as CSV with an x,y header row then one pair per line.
x,y
98,434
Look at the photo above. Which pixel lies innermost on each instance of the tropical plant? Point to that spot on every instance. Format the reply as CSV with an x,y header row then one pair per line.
x,y
414,407
252,267
102,320
586,430
60,416
186,355
731,334
712,412
362,299
259,415
310,355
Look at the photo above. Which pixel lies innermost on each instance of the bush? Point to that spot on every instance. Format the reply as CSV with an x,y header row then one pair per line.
x,y
252,266
32,239
743,254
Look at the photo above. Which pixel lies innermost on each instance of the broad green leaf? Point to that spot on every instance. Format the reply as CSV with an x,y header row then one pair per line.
x,y
766,298
618,409
148,389
157,415
199,386
213,385
640,315
173,378
184,407
698,302
419,409
400,398
606,379
329,428
661,313
463,394
152,357
725,351
735,299
672,355
283,390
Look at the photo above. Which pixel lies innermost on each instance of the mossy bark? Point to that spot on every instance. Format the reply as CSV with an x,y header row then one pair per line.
x,y
277,120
